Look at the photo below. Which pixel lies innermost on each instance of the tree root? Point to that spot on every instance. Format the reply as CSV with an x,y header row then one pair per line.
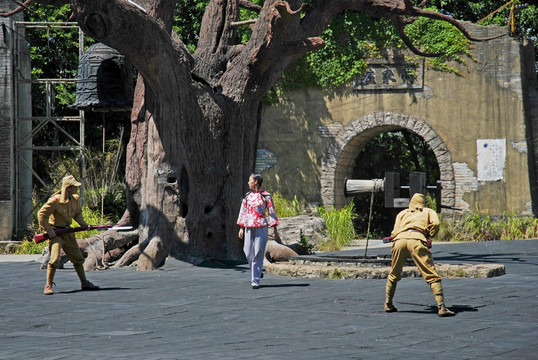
x,y
104,248
148,255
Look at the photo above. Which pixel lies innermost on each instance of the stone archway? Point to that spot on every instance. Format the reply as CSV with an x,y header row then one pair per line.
x,y
340,156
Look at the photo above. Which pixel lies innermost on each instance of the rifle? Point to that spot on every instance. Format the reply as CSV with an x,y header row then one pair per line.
x,y
42,237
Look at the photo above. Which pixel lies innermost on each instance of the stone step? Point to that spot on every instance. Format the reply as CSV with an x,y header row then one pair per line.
x,y
331,271
344,261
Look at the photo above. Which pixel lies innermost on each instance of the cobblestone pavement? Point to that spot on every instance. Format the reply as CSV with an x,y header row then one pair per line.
x,y
183,311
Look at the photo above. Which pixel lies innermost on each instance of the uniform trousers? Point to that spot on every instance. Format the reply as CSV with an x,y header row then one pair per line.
x,y
254,249
402,249
69,244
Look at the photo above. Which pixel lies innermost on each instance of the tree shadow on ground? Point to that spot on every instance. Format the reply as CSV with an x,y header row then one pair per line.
x,y
222,263
236,265
483,258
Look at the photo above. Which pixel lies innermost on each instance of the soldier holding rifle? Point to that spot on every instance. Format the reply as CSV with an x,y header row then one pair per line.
x,y
58,213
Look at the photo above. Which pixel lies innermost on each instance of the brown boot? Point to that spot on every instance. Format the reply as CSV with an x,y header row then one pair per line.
x,y
443,311
86,285
48,290
437,290
390,308
390,289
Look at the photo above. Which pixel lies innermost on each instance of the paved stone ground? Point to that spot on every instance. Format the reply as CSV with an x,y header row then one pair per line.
x,y
210,312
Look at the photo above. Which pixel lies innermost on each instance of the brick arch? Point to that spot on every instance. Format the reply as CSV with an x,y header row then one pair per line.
x,y
341,155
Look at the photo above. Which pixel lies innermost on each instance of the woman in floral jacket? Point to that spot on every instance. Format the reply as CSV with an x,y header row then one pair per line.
x,y
254,225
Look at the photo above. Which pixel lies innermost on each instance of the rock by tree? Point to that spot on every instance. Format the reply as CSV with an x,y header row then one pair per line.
x,y
195,120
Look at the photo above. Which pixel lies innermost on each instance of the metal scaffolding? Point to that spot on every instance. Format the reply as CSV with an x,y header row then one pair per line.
x,y
27,126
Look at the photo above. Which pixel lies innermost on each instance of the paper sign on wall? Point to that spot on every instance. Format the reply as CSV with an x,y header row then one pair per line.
x,y
491,158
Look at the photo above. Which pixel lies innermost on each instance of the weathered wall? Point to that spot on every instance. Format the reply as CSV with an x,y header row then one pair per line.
x,y
311,139
6,116
16,197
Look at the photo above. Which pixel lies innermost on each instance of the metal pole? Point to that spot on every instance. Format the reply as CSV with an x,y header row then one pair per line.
x,y
82,124
103,190
14,47
369,222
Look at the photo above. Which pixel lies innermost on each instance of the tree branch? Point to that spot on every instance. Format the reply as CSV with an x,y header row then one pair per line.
x,y
284,8
245,4
143,39
438,16
322,14
219,33
22,7
400,26
293,48
244,22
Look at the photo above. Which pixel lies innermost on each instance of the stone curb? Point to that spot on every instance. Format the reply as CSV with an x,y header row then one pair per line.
x,y
347,272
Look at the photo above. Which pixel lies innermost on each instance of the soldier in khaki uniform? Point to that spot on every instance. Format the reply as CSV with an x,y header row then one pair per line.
x,y
58,213
411,231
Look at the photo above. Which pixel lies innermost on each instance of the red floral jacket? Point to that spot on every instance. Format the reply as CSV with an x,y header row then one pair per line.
x,y
253,208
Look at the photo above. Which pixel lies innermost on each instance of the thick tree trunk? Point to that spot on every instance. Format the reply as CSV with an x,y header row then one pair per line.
x,y
176,197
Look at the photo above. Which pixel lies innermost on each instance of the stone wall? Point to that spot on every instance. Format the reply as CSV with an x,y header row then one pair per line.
x,y
478,125
16,203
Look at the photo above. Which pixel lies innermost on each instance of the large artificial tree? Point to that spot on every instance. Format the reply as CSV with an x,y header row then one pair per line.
x,y
195,118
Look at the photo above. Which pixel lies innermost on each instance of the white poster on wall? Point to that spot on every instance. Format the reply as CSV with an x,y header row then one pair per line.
x,y
491,158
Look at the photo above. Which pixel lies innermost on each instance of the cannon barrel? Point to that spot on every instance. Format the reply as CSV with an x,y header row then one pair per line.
x,y
391,186
353,187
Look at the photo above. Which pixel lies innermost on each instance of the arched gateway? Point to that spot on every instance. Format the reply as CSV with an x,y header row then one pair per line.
x,y
340,157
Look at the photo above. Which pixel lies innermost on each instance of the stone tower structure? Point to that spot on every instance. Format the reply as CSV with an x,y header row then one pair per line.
x,y
10,107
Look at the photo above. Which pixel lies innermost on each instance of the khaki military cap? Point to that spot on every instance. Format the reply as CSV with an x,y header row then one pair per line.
x,y
70,181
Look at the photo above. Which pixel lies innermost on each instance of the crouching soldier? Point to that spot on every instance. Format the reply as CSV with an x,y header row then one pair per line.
x,y
412,229
58,213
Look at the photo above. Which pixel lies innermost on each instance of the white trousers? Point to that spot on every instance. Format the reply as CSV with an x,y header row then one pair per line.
x,y
254,249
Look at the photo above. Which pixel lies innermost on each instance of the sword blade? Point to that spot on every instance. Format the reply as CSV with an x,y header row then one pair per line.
x,y
117,228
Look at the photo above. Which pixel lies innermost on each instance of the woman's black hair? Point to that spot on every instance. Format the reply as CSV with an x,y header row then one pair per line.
x,y
258,178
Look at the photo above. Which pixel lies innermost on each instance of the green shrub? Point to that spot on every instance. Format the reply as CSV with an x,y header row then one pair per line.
x,y
286,208
482,227
446,230
28,247
303,241
92,217
515,227
339,227
337,274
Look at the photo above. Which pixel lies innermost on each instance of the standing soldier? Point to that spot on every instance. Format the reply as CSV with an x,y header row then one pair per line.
x,y
58,213
412,230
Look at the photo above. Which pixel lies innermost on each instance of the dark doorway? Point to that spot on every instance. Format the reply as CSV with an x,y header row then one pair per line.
x,y
399,151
